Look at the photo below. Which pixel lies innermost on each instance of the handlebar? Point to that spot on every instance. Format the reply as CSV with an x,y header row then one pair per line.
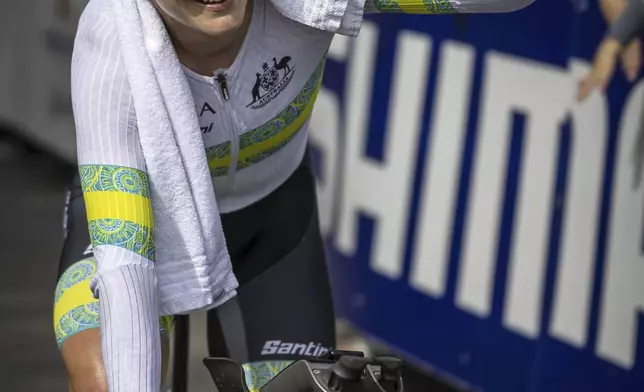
x,y
337,371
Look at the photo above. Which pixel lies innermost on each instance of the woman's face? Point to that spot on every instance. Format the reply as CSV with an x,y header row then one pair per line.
x,y
212,17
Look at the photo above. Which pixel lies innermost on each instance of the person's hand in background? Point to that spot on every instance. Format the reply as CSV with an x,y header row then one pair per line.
x,y
603,68
608,51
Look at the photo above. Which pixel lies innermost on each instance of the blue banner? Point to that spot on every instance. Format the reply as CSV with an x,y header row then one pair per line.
x,y
479,220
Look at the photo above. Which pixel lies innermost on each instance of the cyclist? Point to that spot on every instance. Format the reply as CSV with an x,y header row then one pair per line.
x,y
254,76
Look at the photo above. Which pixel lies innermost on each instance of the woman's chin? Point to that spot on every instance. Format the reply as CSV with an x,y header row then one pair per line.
x,y
219,18
221,25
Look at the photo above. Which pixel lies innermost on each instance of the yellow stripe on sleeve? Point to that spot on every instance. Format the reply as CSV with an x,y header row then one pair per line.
x,y
119,205
74,296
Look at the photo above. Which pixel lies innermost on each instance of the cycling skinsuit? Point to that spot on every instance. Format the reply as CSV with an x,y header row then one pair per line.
x,y
254,119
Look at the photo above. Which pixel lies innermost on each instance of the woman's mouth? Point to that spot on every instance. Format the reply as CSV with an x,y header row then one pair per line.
x,y
215,5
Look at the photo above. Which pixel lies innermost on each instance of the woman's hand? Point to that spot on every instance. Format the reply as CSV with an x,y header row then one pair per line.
x,y
603,68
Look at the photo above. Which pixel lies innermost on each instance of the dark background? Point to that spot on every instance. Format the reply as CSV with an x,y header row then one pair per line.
x,y
32,196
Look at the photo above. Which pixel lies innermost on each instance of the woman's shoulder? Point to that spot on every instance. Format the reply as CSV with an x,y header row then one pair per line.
x,y
95,26
97,41
98,71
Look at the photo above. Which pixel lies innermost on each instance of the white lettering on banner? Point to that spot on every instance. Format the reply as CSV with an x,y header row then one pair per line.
x,y
545,101
339,48
442,168
358,94
544,94
623,288
326,119
575,269
363,189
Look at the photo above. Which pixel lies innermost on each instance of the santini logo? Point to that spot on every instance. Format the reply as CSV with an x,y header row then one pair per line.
x,y
279,347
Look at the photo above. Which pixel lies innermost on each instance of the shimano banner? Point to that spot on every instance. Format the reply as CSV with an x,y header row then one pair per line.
x,y
478,219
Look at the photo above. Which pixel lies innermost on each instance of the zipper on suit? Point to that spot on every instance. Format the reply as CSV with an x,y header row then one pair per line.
x,y
222,81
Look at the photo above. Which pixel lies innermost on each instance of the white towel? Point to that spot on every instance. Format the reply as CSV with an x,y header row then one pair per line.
x,y
193,265
336,16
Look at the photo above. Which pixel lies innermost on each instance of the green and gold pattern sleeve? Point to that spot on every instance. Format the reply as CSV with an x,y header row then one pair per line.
x,y
437,7
119,211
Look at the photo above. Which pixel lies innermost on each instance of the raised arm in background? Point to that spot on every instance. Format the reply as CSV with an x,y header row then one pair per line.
x,y
445,6
626,22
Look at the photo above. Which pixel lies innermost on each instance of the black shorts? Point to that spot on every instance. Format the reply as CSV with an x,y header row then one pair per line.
x,y
283,310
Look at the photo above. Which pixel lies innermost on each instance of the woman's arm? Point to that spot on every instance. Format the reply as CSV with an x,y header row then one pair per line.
x,y
445,6
119,213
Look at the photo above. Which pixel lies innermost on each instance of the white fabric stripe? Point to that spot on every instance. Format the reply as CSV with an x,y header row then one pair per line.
x,y
102,101
95,111
81,115
105,317
116,257
132,355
